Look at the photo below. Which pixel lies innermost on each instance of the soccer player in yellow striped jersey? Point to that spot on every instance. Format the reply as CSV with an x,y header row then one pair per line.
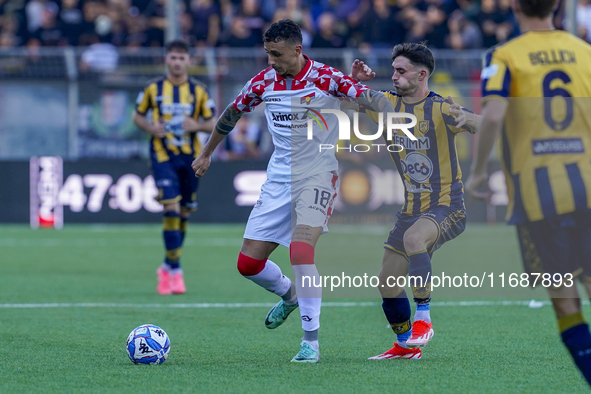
x,y
434,211
180,107
536,91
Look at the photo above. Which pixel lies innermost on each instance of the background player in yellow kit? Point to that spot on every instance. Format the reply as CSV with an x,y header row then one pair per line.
x,y
181,106
535,91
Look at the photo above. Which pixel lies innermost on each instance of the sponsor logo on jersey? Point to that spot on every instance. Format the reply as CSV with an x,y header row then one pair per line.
x,y
298,117
287,117
422,143
417,166
140,98
489,72
421,188
175,126
176,109
307,99
290,126
272,100
558,146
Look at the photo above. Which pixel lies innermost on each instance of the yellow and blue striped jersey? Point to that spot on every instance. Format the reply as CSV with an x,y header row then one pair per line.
x,y
546,140
171,104
429,167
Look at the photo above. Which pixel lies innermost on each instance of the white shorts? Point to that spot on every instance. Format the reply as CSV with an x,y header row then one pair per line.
x,y
311,199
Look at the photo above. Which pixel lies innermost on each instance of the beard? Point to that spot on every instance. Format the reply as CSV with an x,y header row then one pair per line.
x,y
404,91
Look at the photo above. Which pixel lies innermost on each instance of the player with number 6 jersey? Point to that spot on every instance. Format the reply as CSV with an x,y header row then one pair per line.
x,y
546,138
536,93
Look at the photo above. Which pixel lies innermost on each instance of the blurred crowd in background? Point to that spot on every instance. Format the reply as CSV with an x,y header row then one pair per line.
x,y
455,24
103,26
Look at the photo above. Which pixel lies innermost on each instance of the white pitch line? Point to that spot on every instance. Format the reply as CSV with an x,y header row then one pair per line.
x,y
255,305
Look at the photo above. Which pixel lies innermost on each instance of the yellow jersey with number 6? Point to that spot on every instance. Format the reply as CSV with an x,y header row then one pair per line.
x,y
546,141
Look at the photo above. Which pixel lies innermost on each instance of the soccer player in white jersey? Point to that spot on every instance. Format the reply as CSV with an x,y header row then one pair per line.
x,y
301,180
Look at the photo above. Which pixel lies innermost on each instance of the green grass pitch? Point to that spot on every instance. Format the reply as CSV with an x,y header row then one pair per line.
x,y
476,349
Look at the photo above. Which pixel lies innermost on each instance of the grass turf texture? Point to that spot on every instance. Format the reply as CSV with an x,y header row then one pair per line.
x,y
475,349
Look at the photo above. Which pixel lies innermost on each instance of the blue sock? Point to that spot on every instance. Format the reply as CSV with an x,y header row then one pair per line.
x,y
419,265
423,312
397,311
171,230
577,340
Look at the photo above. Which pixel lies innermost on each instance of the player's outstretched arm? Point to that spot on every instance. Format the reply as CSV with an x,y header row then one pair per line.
x,y
493,116
463,117
376,101
222,128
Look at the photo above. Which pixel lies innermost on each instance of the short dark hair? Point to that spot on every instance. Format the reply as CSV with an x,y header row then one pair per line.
x,y
178,45
417,53
537,8
284,30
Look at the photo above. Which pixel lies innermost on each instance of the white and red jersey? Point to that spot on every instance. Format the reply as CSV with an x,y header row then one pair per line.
x,y
289,105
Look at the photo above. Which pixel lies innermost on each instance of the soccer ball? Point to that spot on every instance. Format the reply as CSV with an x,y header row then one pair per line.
x,y
148,344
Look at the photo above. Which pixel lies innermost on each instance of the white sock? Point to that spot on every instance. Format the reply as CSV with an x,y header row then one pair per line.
x,y
423,315
173,271
271,278
309,296
290,297
314,344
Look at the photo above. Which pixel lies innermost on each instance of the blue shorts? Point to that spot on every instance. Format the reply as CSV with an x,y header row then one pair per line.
x,y
557,245
450,222
176,181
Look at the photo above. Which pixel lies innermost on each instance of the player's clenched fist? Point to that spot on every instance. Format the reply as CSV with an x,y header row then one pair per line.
x,y
157,130
200,165
475,182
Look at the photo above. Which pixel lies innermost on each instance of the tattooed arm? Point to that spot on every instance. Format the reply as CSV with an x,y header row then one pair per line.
x,y
379,103
376,101
222,128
